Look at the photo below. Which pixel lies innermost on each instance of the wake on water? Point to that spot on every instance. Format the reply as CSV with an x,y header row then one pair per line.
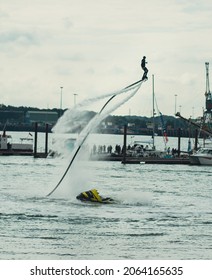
x,y
76,177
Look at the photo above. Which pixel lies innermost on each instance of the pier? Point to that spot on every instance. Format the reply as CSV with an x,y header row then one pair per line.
x,y
142,155
37,154
8,148
122,155
140,160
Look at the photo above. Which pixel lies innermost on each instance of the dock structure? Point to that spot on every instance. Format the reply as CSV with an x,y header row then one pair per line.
x,y
15,153
152,158
37,154
9,148
176,160
23,149
138,160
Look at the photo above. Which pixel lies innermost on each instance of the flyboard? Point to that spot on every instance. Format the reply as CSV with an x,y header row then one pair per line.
x,y
87,134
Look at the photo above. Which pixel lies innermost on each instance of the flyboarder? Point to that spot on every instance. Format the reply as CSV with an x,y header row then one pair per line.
x,y
143,66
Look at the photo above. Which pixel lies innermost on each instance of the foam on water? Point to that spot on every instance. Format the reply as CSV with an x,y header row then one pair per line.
x,y
135,198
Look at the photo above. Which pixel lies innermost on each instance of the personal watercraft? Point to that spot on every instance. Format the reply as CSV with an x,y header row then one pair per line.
x,y
93,196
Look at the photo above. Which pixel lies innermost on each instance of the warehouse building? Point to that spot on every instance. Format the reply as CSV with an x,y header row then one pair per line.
x,y
41,117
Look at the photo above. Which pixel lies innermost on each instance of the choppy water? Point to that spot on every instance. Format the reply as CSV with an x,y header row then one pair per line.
x,y
164,212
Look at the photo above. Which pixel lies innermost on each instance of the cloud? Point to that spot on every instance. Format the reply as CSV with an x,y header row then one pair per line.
x,y
18,37
92,47
68,23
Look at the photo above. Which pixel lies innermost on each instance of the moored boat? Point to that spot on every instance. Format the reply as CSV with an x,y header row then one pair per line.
x,y
202,157
7,147
145,149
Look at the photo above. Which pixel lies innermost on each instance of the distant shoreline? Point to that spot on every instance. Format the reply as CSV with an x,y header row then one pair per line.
x,y
144,132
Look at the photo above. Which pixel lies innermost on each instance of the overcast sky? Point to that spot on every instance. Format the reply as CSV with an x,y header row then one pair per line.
x,y
92,47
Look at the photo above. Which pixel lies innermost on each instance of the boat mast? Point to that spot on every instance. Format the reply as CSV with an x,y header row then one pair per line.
x,y
153,112
208,96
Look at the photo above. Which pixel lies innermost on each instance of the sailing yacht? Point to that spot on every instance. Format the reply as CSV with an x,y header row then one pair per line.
x,y
147,148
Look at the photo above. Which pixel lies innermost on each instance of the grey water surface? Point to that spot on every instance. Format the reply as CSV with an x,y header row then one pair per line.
x,y
163,211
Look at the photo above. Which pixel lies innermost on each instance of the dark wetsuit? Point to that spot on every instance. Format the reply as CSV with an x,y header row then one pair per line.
x,y
143,66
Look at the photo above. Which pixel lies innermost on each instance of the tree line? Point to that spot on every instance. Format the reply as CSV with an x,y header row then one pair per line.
x,y
112,123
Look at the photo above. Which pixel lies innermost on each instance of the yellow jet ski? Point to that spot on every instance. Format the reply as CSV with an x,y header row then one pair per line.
x,y
93,196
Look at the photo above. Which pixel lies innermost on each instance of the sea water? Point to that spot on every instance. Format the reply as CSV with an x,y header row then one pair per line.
x,y
163,211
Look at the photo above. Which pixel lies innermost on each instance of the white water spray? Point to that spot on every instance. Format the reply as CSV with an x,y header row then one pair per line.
x,y
66,122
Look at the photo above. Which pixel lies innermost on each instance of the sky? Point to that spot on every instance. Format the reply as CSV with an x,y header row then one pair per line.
x,y
93,47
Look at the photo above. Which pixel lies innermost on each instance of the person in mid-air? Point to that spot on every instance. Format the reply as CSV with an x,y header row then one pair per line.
x,y
143,66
